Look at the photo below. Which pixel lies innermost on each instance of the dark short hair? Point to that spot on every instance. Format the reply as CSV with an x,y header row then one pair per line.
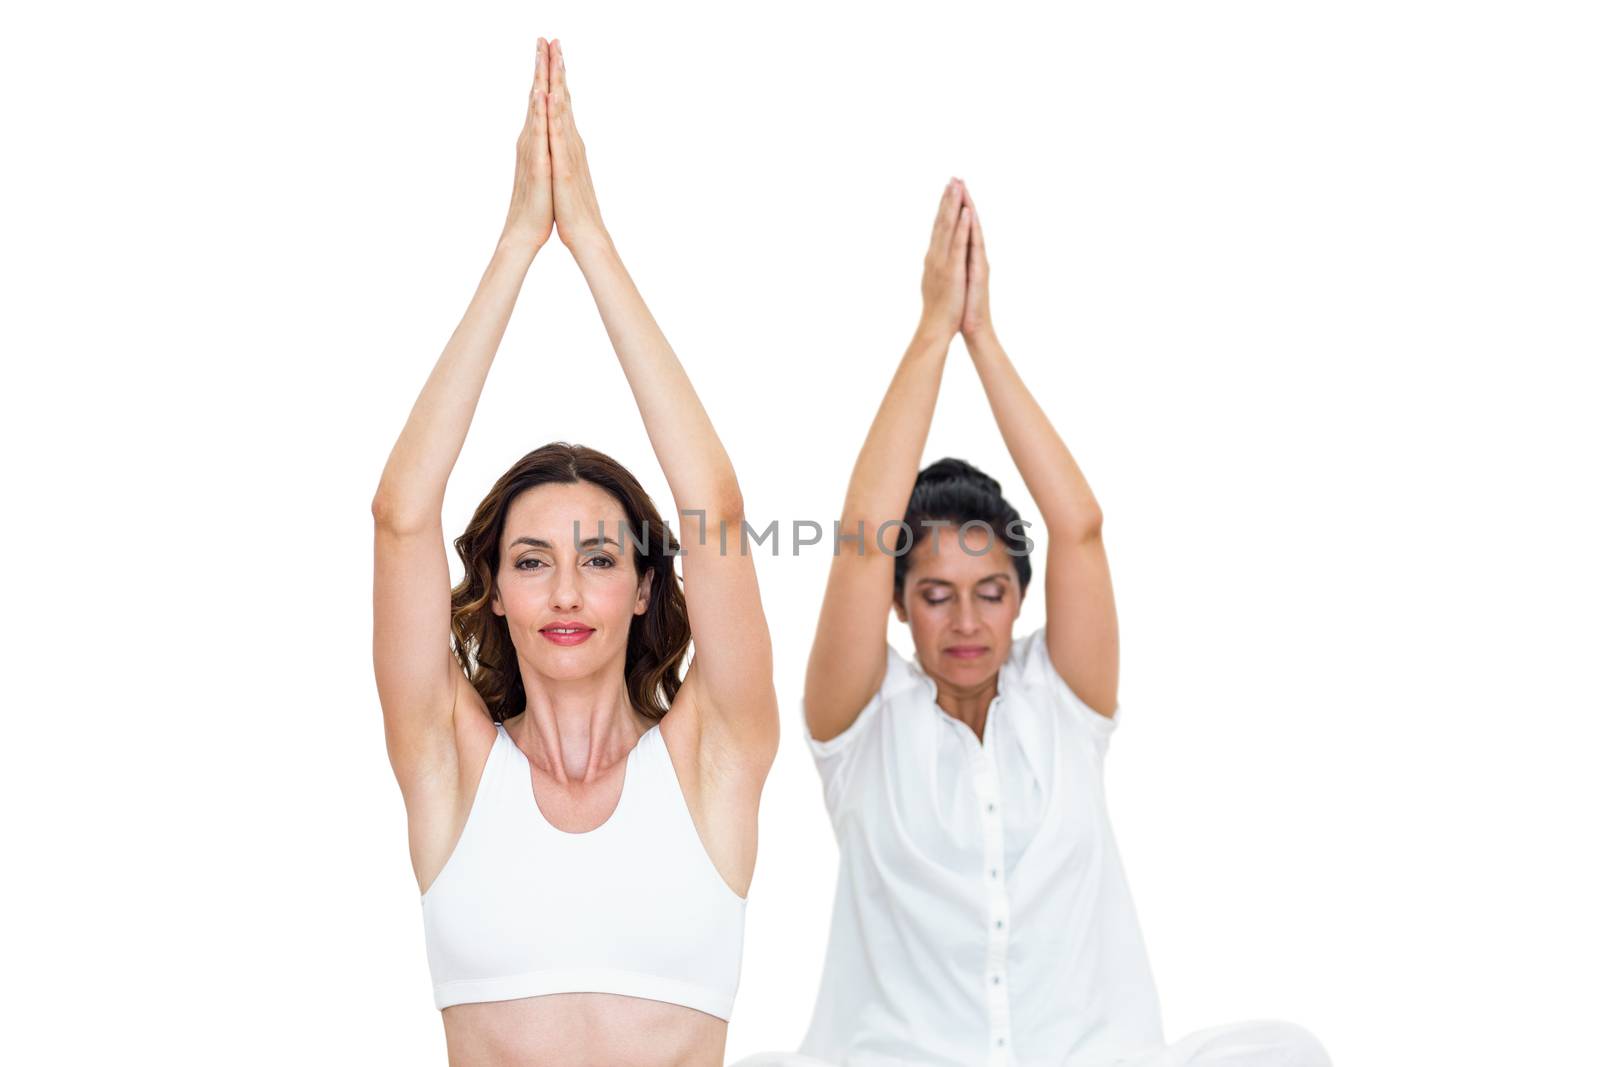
x,y
956,491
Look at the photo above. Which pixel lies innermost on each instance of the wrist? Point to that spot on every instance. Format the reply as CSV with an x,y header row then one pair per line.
x,y
589,243
980,336
516,248
932,333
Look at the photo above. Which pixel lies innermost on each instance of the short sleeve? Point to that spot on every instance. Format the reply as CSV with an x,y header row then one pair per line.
x,y
836,758
1040,672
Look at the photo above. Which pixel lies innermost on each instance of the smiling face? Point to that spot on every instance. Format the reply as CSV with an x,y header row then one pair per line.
x,y
960,603
568,600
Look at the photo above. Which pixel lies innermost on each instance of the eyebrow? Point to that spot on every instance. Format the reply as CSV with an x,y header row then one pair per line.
x,y
589,542
999,576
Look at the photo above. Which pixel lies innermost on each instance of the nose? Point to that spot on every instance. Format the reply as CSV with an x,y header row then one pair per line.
x,y
564,594
966,620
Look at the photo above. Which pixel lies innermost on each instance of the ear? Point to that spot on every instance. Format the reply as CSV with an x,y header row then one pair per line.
x,y
900,609
494,601
642,602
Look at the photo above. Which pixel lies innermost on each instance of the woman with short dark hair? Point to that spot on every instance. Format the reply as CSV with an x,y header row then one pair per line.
x,y
981,915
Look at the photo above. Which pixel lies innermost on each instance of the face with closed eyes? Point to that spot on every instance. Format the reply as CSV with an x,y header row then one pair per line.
x,y
961,597
568,599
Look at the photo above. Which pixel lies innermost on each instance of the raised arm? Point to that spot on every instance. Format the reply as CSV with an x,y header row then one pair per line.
x,y
1080,613
417,674
728,686
848,654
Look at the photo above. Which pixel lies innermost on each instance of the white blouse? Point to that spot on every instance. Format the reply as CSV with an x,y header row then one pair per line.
x,y
981,914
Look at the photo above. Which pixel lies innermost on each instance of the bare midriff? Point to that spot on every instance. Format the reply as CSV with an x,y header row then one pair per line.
x,y
580,1030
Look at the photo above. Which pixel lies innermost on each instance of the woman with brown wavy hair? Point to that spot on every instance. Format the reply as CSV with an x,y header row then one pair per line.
x,y
582,823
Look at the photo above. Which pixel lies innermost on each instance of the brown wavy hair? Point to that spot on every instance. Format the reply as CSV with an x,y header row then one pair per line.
x,y
658,640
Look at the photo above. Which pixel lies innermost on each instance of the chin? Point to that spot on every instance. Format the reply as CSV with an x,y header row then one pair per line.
x,y
567,663
981,667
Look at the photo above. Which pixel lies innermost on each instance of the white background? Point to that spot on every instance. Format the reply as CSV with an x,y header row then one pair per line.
x,y
1309,290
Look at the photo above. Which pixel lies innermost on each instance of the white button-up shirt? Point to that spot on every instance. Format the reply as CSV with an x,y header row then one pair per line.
x,y
981,915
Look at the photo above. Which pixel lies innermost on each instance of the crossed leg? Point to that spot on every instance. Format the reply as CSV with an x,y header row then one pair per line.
x,y
1258,1043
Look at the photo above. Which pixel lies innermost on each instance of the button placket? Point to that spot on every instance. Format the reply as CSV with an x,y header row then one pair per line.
x,y
995,979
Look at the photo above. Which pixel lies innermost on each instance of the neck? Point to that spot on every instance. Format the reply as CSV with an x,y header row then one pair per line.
x,y
576,729
969,705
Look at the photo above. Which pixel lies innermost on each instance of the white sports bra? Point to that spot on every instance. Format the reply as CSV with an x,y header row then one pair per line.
x,y
634,906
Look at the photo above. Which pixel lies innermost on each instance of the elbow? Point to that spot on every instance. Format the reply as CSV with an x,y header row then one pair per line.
x,y
1086,526
391,514
382,509
717,517
726,504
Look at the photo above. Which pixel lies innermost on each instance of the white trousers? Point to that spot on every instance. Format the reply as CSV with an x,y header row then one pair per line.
x,y
1262,1043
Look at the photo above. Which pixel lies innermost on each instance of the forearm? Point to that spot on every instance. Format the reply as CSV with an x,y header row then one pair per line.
x,y
886,470
691,455
412,486
1057,485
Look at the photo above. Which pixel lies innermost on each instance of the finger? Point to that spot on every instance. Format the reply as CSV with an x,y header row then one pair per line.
x,y
541,67
541,125
559,124
980,254
558,69
554,126
963,235
958,240
945,220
